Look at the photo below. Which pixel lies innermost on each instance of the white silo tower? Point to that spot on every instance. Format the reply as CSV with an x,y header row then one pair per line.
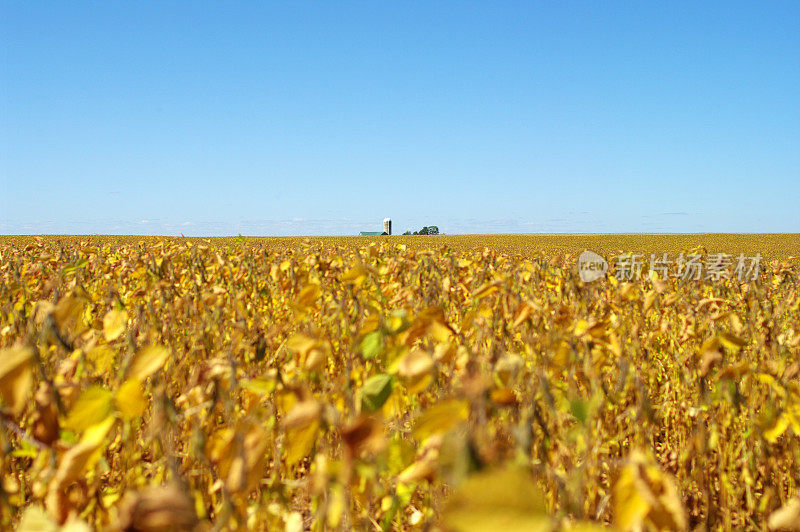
x,y
387,226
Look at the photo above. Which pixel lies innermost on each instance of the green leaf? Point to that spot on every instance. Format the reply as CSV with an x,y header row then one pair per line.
x,y
579,409
375,392
372,345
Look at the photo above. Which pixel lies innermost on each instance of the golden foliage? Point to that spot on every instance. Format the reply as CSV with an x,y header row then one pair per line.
x,y
16,377
393,383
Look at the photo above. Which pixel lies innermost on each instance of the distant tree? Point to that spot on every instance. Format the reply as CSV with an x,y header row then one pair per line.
x,y
427,230
407,233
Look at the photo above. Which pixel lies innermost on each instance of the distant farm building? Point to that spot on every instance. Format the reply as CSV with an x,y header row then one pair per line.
x,y
387,229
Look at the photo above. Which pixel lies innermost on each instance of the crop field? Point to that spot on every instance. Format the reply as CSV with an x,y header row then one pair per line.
x,y
398,383
772,246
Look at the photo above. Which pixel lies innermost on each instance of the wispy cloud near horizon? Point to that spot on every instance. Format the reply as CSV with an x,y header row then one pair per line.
x,y
575,222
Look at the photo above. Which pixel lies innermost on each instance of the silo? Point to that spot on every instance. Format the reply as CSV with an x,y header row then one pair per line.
x,y
387,226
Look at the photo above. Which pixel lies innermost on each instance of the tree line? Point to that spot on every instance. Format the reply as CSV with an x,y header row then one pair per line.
x,y
427,230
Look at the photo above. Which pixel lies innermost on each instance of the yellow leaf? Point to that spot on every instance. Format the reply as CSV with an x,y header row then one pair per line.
x,y
301,425
313,353
130,398
75,525
69,315
502,500
440,418
79,458
260,385
581,327
293,522
239,455
336,503
643,494
300,344
16,377
114,324
254,449
486,290
779,428
630,504
300,441
315,360
583,526
34,519
308,296
147,361
793,413
731,341
712,344
766,378
302,414
415,363
92,407
96,434
424,468
649,300
735,371
787,517
355,275
439,332
103,358
157,508
628,291
523,312
219,449
415,368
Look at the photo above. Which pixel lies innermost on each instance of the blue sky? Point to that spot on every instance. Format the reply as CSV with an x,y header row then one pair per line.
x,y
302,118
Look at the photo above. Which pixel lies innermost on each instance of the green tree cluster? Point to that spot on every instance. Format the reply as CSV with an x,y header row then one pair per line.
x,y
427,230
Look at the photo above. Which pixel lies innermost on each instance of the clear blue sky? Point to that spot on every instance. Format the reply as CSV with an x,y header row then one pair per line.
x,y
323,118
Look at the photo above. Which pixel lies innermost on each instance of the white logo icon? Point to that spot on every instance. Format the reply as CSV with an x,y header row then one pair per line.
x,y
591,266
